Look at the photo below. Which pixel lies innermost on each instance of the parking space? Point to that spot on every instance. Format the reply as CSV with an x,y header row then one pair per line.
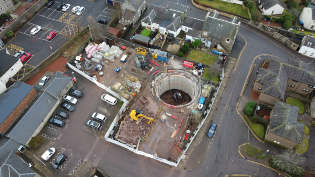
x,y
107,13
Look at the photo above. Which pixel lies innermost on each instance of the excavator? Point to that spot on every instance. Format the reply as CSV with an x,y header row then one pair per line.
x,y
136,113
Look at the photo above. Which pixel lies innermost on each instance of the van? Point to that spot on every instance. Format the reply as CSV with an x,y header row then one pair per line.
x,y
123,58
201,102
187,64
80,11
109,99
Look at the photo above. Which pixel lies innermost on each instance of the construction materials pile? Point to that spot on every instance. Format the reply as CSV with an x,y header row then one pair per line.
x,y
98,52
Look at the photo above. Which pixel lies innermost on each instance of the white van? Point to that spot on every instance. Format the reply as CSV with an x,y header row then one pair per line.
x,y
123,58
109,99
80,10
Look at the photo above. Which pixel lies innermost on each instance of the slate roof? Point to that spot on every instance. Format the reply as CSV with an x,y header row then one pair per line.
x,y
13,166
128,14
10,99
313,13
135,3
275,78
164,12
284,123
58,84
194,33
23,131
175,25
270,3
193,23
308,40
165,23
141,38
7,145
7,61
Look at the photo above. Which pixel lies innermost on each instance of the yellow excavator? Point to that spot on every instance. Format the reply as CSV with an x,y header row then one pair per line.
x,y
136,113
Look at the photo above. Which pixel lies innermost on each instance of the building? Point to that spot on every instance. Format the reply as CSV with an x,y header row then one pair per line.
x,y
6,5
10,65
307,18
239,2
270,7
219,33
275,77
307,46
284,129
133,8
13,102
37,116
192,27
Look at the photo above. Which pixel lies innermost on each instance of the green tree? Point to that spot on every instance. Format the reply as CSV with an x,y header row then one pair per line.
x,y
251,104
254,119
184,48
292,4
256,15
248,110
196,43
180,54
9,34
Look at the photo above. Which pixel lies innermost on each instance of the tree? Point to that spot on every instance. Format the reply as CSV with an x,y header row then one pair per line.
x,y
196,43
295,12
256,15
292,4
185,48
289,162
251,104
180,54
9,34
254,119
248,110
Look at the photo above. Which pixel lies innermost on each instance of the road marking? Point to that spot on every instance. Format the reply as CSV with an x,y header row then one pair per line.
x,y
102,12
51,13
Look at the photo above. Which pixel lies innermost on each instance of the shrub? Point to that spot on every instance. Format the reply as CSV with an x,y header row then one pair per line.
x,y
262,120
256,15
254,119
36,141
184,48
292,5
3,16
251,104
306,3
248,110
9,34
180,54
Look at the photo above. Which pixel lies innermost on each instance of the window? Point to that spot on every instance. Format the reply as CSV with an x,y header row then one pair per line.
x,y
291,85
2,8
259,88
295,81
228,40
306,90
310,86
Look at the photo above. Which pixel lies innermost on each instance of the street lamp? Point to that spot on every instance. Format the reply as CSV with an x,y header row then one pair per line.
x,y
265,152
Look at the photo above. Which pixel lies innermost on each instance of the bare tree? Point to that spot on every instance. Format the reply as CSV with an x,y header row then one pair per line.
x,y
213,71
289,162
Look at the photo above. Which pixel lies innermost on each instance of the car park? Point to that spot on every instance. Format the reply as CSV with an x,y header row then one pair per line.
x,y
57,122
19,54
76,93
60,159
35,30
62,114
212,130
80,10
99,117
65,7
75,9
25,57
51,35
50,3
43,80
70,99
60,5
102,21
47,154
67,106
93,124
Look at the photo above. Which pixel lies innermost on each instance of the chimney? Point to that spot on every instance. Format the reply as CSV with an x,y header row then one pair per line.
x,y
185,13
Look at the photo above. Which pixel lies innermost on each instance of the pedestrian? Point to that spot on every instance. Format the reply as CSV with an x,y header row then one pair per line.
x,y
51,48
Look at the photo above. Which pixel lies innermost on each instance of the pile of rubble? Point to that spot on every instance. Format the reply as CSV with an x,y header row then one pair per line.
x,y
98,52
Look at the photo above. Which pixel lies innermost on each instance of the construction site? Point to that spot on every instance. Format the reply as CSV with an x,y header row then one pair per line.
x,y
165,106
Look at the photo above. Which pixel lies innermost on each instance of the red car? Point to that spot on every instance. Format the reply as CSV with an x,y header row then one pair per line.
x,y
25,57
51,35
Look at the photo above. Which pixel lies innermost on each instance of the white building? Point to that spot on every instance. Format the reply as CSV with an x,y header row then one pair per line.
x,y
307,18
308,46
234,1
271,7
9,66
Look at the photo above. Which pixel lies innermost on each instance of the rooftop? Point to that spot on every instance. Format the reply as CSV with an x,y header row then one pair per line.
x,y
7,61
308,40
193,23
270,3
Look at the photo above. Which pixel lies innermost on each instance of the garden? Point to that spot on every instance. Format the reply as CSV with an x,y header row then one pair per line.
x,y
297,103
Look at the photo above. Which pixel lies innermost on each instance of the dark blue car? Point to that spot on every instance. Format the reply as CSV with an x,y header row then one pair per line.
x,y
212,130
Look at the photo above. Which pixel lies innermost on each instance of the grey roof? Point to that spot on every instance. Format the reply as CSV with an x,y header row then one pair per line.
x,y
275,78
270,3
7,145
135,3
139,37
7,61
164,12
193,23
23,131
58,84
10,99
313,13
234,20
13,166
175,25
165,23
194,33
218,27
128,14
308,41
284,123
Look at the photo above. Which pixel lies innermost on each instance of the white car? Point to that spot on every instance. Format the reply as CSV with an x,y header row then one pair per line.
x,y
35,30
99,117
48,153
80,11
70,99
43,81
65,7
75,9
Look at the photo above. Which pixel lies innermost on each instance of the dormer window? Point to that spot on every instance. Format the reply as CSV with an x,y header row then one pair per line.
x,y
259,88
310,86
228,40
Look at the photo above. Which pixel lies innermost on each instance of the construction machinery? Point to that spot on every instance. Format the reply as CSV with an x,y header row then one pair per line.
x,y
141,62
136,114
141,51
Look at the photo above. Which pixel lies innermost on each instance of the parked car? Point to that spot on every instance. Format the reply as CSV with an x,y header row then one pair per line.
x,y
67,106
57,122
99,117
25,57
80,10
43,81
35,30
60,159
50,3
212,130
70,99
65,7
51,35
47,154
19,54
60,5
62,114
93,124
76,93
75,9
102,21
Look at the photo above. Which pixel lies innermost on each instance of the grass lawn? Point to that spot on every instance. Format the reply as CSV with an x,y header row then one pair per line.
x,y
298,32
207,76
259,129
203,58
146,33
227,7
306,129
302,148
297,103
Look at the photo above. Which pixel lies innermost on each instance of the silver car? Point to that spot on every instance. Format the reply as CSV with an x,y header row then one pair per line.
x,y
70,99
80,10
